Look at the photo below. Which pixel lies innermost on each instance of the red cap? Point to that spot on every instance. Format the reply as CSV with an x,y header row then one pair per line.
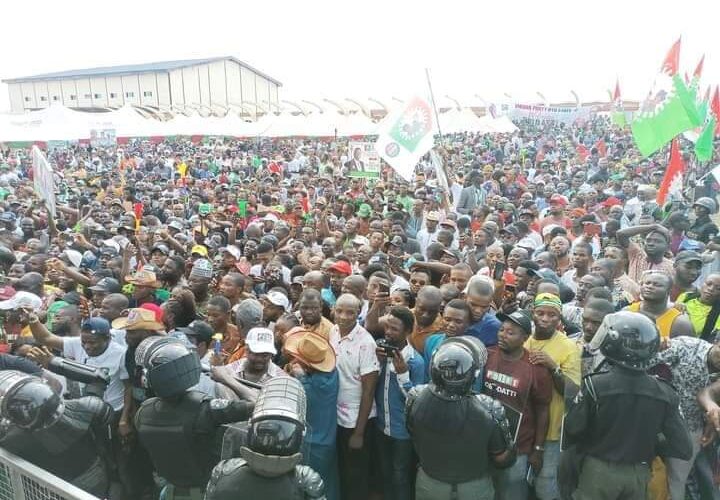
x,y
341,267
559,199
156,309
611,202
6,292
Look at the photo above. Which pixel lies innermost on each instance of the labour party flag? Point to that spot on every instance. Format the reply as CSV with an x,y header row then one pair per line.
x,y
704,143
672,182
669,110
405,135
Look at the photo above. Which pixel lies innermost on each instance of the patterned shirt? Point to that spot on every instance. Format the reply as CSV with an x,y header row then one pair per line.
x,y
687,359
638,263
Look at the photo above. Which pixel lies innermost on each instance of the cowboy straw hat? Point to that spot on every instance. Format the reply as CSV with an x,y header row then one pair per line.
x,y
138,319
144,278
310,348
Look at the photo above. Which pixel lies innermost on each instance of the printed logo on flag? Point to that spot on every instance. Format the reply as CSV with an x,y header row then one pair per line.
x,y
414,124
392,149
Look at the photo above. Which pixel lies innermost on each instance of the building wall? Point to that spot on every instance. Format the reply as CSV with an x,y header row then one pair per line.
x,y
215,85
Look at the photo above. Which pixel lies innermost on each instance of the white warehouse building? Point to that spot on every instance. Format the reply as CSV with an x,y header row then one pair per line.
x,y
211,84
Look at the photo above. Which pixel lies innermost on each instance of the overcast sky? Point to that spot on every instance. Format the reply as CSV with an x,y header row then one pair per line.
x,y
339,49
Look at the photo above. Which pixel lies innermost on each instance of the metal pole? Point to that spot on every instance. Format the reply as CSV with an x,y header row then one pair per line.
x,y
432,99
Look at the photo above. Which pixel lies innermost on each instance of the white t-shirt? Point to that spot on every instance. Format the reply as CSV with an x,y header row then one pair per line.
x,y
112,361
355,357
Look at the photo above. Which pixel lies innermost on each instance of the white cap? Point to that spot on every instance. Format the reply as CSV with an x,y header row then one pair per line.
x,y
112,243
260,340
21,300
278,299
271,217
232,250
74,256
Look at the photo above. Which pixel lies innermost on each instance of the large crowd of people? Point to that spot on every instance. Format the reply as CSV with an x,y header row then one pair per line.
x,y
540,328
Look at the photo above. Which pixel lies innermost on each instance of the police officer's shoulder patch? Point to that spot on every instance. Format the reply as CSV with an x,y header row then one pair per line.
x,y
219,404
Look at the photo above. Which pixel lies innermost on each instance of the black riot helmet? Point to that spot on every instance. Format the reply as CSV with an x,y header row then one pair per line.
x,y
170,366
276,428
453,370
28,401
628,339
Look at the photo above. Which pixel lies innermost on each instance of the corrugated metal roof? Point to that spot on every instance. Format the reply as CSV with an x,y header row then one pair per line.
x,y
130,69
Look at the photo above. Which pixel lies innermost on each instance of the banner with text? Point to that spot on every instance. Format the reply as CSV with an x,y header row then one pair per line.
x,y
568,115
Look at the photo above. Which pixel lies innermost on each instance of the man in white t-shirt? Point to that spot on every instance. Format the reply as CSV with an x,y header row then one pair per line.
x,y
94,347
358,369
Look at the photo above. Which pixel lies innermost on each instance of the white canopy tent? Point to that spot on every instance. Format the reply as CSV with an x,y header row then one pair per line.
x,y
60,123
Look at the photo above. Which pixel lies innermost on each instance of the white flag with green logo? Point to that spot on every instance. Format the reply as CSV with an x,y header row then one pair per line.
x,y
405,135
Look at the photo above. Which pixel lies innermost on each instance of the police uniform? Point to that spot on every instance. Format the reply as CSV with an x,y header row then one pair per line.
x,y
73,444
457,435
703,229
619,413
268,465
180,427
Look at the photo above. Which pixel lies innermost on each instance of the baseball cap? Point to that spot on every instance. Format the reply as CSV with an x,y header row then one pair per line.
x,y
548,229
160,247
107,285
520,317
378,258
232,250
510,230
544,273
278,299
200,250
21,300
688,256
396,241
261,340
199,329
96,326
341,266
433,216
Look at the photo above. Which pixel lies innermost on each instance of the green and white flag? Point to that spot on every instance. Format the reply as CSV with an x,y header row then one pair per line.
x,y
705,142
669,110
405,135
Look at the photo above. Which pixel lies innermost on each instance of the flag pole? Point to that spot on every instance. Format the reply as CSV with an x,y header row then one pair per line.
x,y
432,99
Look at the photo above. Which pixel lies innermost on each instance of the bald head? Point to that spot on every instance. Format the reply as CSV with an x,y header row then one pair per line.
x,y
348,300
314,280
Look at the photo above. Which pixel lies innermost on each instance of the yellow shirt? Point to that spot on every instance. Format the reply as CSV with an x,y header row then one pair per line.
x,y
565,353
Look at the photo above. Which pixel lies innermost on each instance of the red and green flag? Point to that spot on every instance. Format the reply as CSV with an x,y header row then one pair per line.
x,y
618,113
672,182
669,110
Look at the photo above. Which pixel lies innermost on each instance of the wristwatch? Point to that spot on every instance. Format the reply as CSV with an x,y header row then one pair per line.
x,y
537,447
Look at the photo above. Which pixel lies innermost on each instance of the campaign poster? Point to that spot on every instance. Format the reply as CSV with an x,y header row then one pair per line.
x,y
363,160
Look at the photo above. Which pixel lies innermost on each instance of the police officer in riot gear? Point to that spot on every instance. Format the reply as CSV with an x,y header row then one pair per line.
x,y
270,456
703,229
67,438
179,428
620,412
458,435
